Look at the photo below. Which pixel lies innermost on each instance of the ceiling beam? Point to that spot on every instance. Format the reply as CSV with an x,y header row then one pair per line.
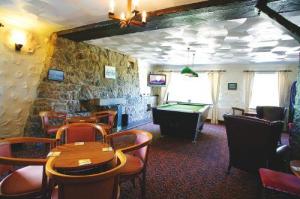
x,y
292,28
190,14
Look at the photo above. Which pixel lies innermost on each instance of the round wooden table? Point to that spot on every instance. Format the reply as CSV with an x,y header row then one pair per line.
x,y
72,153
295,167
81,119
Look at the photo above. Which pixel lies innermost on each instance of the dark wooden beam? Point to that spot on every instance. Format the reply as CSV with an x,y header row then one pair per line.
x,y
190,14
292,28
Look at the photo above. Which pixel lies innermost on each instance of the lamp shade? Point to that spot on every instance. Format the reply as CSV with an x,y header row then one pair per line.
x,y
189,72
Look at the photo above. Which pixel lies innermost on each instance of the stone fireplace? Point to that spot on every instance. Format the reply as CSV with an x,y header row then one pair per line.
x,y
94,105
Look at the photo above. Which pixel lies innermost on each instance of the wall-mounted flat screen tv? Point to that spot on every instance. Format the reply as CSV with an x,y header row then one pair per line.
x,y
56,75
157,80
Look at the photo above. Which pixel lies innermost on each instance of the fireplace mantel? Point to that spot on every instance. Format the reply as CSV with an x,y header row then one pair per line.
x,y
110,101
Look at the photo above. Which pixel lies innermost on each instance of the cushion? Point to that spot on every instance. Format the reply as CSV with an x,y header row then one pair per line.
x,y
279,181
133,165
80,134
25,180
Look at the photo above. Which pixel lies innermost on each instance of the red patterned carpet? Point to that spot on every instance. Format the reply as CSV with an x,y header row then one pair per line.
x,y
177,168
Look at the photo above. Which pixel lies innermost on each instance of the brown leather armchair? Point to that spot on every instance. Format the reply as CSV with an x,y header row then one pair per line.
x,y
252,142
271,113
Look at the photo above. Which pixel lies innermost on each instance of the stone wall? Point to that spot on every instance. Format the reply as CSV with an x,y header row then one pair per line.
x,y
83,66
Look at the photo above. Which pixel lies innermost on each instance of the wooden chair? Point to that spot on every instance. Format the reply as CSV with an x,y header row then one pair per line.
x,y
110,117
104,185
29,181
80,132
279,182
238,111
50,117
136,154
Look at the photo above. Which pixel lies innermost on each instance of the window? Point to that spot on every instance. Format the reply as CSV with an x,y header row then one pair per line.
x,y
189,89
265,90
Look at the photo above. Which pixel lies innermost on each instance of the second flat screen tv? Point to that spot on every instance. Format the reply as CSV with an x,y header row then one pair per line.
x,y
157,80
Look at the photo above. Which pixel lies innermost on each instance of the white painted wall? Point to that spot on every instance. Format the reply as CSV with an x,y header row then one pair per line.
x,y
235,74
19,77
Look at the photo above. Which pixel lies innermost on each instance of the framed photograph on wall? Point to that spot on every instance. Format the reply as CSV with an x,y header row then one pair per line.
x,y
56,75
232,86
110,72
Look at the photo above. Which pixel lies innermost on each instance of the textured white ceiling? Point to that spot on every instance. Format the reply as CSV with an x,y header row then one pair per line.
x,y
253,40
73,13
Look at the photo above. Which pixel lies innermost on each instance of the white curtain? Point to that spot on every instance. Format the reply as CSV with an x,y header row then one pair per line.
x,y
283,88
214,78
248,84
164,90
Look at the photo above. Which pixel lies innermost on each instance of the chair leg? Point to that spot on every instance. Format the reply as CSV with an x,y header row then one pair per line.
x,y
133,182
264,193
228,169
143,187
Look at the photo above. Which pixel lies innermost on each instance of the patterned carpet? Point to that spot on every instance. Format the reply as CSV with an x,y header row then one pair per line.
x,y
177,168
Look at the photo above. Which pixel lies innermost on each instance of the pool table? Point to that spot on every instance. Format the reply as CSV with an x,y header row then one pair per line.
x,y
180,119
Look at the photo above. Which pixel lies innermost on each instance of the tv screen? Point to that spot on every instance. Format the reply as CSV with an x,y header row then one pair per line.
x,y
157,80
56,75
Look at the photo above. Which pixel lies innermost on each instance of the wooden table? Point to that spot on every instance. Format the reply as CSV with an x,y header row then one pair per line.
x,y
293,164
72,153
81,119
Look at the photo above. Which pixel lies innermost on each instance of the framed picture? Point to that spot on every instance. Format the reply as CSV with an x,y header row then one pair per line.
x,y
56,75
110,72
232,86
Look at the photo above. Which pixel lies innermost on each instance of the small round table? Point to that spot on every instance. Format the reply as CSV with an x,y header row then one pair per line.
x,y
81,119
295,167
72,153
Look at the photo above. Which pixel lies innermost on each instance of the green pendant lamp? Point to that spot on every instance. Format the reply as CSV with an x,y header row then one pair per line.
x,y
187,71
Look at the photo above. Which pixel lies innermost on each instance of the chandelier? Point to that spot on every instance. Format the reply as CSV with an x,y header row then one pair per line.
x,y
131,17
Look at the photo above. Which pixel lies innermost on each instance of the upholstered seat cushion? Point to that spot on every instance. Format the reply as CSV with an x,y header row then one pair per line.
x,y
279,181
133,165
24,180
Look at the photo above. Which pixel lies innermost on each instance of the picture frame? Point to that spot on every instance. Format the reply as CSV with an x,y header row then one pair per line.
x,y
232,86
157,79
110,72
56,75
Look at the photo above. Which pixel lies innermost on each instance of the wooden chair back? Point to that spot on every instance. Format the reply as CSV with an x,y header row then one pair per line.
x,y
5,151
80,132
109,114
102,185
47,116
141,144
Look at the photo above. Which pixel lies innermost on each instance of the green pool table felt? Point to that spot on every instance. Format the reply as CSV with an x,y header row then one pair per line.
x,y
182,107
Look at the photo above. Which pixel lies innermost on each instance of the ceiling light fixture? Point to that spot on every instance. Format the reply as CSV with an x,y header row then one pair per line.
x,y
132,15
187,71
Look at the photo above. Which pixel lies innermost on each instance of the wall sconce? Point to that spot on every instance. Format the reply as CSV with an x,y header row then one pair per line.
x,y
19,39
